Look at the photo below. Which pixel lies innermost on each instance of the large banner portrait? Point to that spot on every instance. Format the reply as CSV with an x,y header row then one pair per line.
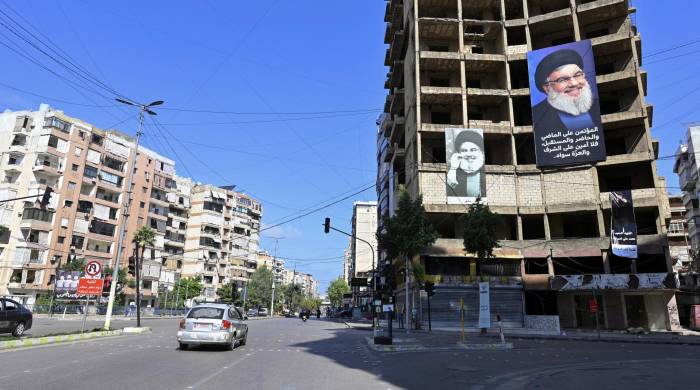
x,y
466,179
623,234
565,107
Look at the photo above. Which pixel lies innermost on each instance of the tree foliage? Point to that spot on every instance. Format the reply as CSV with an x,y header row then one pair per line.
x,y
293,295
187,288
336,290
408,231
480,230
144,236
260,288
229,293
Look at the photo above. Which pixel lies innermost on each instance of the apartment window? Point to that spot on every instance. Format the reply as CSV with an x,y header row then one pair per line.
x,y
71,185
142,204
77,242
67,203
675,227
145,189
90,172
74,167
146,175
61,239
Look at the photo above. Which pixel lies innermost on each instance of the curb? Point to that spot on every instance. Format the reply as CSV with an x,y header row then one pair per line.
x,y
46,340
608,339
421,348
135,330
486,347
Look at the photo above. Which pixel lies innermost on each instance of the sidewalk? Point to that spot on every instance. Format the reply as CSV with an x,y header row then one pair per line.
x,y
684,337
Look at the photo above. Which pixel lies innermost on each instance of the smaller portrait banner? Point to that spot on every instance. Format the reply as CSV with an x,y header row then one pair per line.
x,y
466,179
623,230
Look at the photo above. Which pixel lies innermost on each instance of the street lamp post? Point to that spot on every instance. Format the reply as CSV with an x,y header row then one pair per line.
x,y
143,108
327,228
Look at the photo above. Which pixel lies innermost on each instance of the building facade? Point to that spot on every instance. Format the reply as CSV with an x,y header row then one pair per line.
x,y
87,168
201,230
363,248
222,238
463,64
683,226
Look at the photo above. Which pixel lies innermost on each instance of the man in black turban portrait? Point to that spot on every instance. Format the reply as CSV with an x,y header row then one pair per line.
x,y
570,103
464,172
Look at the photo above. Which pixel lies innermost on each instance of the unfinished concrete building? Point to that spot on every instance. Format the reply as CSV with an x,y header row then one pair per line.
x,y
462,64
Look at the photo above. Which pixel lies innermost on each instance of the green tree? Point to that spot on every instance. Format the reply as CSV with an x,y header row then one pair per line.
x,y
480,231
186,288
406,233
143,237
293,295
260,288
229,293
311,303
336,290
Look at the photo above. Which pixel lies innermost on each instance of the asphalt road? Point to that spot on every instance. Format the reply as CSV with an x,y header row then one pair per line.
x,y
288,354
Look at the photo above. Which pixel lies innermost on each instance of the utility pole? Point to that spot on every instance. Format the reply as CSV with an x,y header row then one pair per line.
x,y
274,267
127,203
138,283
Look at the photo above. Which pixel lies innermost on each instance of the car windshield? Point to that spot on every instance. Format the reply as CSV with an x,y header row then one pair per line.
x,y
206,312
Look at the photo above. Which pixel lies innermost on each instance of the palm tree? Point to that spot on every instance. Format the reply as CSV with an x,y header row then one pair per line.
x,y
144,236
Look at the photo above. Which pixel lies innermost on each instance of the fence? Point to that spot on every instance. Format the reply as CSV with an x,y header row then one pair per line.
x,y
100,309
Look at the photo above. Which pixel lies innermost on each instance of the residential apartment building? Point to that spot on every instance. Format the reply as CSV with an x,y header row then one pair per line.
x,y
264,259
347,262
363,248
463,64
684,221
87,169
222,238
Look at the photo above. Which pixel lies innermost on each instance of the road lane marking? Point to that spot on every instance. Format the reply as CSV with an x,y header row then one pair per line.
x,y
219,371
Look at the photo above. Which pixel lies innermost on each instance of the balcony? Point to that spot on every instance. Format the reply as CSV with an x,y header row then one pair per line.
x,y
440,95
601,10
36,218
688,177
47,167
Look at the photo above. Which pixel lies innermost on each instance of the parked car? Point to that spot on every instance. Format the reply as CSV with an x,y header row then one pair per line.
x,y
262,312
213,323
14,317
252,312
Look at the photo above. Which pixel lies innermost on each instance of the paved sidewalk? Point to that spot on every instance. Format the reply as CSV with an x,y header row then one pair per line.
x,y
685,337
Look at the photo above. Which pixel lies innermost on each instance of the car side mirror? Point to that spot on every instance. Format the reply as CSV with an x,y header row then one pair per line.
x,y
245,318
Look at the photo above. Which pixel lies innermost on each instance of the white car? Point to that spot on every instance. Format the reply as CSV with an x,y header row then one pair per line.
x,y
213,323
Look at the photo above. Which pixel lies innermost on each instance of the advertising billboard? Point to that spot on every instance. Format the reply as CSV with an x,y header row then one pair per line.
x,y
466,179
67,284
565,107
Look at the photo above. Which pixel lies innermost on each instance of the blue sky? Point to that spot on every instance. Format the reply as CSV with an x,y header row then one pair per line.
x,y
321,58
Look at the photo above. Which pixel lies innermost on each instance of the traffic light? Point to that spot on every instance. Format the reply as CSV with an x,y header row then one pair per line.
x,y
107,284
429,288
46,197
132,266
327,225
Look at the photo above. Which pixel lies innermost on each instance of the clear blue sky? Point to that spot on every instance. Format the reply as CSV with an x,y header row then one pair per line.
x,y
278,57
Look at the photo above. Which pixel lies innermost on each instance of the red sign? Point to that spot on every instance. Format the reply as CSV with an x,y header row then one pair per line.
x,y
593,304
90,286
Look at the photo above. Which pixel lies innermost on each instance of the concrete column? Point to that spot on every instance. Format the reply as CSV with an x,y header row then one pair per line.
x,y
606,261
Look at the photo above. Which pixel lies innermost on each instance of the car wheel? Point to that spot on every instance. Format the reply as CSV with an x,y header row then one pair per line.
x,y
245,339
18,330
183,346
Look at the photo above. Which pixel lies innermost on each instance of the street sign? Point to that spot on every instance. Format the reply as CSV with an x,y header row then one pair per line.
x,y
93,269
593,305
89,286
387,308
